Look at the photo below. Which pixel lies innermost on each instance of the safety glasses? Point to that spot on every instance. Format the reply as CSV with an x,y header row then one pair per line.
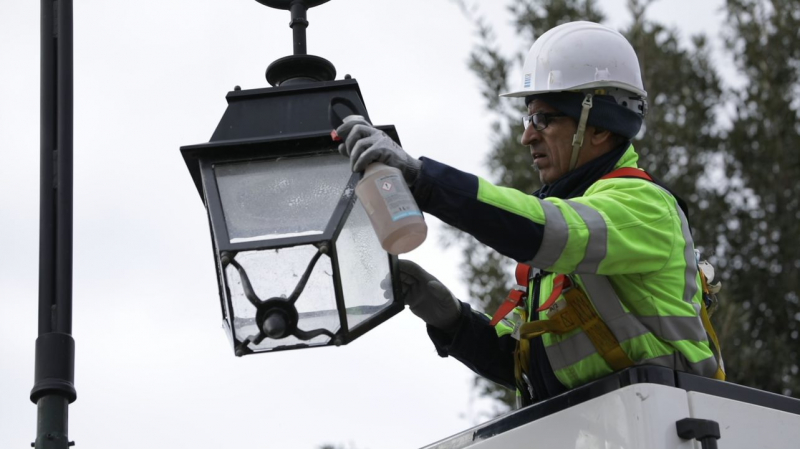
x,y
540,120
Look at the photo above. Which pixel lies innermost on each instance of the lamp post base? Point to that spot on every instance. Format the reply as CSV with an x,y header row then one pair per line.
x,y
52,422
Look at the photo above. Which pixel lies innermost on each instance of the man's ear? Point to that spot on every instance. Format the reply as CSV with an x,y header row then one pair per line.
x,y
601,136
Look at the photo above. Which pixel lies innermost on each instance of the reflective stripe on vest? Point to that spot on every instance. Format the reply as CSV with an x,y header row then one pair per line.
x,y
554,239
597,246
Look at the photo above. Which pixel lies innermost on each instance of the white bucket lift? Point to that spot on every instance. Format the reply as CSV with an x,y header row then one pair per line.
x,y
645,407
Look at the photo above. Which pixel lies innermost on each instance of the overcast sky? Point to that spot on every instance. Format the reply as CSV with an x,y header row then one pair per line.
x,y
153,366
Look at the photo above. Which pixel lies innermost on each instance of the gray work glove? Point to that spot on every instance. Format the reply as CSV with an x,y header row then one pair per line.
x,y
365,144
427,297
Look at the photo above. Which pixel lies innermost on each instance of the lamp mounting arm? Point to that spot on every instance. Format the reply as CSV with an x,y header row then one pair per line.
x,y
300,66
298,24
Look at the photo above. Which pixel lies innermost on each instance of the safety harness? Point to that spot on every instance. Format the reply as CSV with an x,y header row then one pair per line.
x,y
577,311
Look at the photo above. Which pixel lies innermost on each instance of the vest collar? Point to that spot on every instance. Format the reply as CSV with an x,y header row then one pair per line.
x,y
577,181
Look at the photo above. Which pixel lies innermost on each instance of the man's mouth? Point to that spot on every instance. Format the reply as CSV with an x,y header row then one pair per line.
x,y
537,155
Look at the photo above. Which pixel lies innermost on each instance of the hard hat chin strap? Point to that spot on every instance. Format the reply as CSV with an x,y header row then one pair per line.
x,y
577,139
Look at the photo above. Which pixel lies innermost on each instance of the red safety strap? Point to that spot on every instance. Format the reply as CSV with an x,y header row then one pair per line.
x,y
559,284
513,299
515,296
523,274
628,172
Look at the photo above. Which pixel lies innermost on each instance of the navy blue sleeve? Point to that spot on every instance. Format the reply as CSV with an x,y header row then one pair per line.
x,y
475,344
452,196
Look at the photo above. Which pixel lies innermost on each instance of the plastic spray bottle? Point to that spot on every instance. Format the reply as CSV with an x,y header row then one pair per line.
x,y
391,207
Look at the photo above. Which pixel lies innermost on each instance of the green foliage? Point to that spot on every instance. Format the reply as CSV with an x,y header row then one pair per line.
x,y
740,178
758,239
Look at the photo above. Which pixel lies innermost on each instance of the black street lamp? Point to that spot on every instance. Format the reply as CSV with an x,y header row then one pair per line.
x,y
298,263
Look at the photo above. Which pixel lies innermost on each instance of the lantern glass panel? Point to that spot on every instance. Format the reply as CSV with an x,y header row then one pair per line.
x,y
364,268
275,273
284,197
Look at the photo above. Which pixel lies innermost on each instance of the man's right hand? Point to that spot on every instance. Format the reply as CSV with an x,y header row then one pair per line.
x,y
365,144
427,297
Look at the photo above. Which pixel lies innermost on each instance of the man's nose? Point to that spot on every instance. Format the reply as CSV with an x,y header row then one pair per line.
x,y
530,135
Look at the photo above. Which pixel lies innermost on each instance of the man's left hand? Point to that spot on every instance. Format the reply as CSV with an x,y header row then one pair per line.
x,y
365,144
425,296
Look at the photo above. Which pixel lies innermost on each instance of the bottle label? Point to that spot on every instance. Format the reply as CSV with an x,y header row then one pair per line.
x,y
398,198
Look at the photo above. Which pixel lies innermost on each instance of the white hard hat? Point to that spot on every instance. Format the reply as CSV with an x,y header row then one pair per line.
x,y
579,56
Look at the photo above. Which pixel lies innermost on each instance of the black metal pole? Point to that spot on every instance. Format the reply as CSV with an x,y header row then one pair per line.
x,y
64,170
299,24
53,388
300,67
47,145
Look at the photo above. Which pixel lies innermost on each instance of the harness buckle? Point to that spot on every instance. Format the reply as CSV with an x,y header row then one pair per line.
x,y
517,321
529,385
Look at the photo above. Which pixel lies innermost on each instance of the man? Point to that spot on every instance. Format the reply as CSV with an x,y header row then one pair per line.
x,y
615,281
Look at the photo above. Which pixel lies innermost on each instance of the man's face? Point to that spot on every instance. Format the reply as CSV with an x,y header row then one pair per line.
x,y
551,148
